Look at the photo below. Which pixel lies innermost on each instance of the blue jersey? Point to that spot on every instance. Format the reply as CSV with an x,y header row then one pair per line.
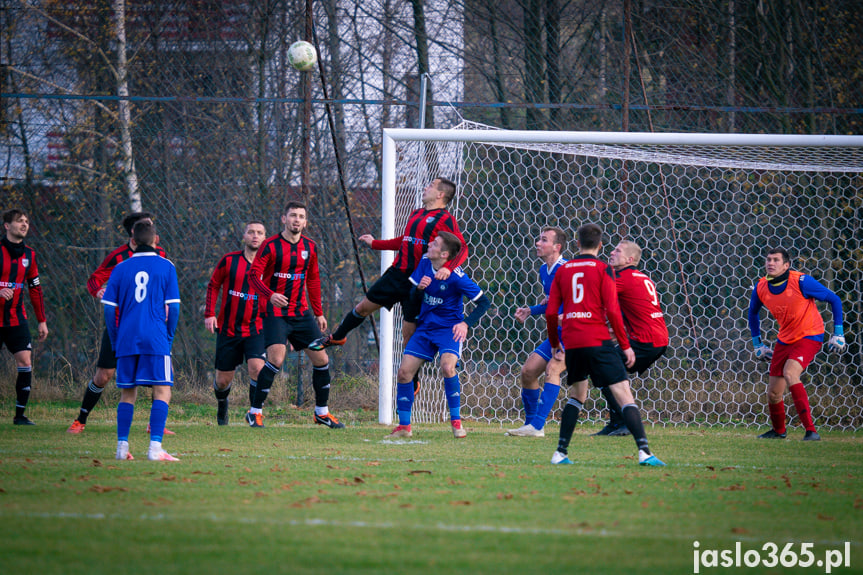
x,y
140,290
442,300
546,276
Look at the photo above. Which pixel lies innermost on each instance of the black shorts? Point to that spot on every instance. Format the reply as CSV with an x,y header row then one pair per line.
x,y
232,349
107,359
601,363
394,287
645,356
15,337
299,331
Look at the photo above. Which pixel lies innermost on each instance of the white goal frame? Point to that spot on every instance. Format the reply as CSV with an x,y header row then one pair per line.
x,y
388,364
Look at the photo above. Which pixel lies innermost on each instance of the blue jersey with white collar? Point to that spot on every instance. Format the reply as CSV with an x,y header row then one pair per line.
x,y
442,300
546,276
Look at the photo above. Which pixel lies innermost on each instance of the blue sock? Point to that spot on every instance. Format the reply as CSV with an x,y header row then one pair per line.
x,y
125,412
405,402
452,388
545,404
158,417
529,397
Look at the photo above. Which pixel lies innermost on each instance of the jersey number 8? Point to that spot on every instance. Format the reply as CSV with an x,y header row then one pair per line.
x,y
141,281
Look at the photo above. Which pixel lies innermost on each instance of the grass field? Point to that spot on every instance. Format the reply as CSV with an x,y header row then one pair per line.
x,y
296,498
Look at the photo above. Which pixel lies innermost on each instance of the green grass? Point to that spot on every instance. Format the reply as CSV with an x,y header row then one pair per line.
x,y
298,498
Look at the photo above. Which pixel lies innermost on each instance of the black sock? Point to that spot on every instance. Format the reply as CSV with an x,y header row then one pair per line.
x,y
265,380
22,389
321,383
91,398
568,420
615,417
632,419
253,386
351,321
221,394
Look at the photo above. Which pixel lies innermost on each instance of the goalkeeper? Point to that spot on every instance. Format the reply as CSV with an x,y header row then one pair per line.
x,y
790,296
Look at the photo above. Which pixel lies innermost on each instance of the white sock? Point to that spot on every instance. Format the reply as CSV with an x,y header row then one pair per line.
x,y
254,410
322,411
155,446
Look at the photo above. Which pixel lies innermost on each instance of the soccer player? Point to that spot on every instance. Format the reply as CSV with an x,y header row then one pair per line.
x,y
139,292
239,325
106,364
424,224
585,287
17,269
441,328
539,403
284,268
644,320
790,297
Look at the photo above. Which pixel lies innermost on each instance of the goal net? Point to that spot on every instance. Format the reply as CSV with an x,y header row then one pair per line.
x,y
704,208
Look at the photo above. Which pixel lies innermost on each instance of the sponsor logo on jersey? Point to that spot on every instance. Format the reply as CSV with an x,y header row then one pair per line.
x,y
12,285
579,315
414,241
432,300
289,276
656,314
243,296
578,264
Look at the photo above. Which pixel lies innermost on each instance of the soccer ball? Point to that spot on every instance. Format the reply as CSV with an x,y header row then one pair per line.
x,y
302,56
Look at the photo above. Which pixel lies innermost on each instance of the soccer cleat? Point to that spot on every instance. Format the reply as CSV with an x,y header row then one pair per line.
x,y
401,431
811,436
329,420
558,458
123,451
612,430
457,430
650,460
76,427
222,412
166,432
772,435
526,431
22,420
160,455
325,341
255,419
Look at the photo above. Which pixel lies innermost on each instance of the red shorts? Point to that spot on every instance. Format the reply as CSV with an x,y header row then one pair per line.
x,y
802,351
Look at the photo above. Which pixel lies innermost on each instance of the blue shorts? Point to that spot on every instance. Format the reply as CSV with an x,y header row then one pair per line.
x,y
544,349
144,370
426,343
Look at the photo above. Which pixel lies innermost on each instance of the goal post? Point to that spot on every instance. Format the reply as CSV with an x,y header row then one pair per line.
x,y
704,207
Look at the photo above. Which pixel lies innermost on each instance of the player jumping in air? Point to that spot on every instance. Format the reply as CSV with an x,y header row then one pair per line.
x,y
790,297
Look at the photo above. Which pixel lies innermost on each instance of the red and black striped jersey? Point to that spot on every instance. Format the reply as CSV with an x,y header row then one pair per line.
x,y
422,228
18,269
639,304
585,286
100,277
288,269
239,314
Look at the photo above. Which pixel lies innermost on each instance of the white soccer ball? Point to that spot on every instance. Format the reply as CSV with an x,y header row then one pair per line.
x,y
302,56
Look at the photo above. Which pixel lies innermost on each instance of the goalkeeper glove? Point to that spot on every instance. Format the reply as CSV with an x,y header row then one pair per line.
x,y
762,351
837,342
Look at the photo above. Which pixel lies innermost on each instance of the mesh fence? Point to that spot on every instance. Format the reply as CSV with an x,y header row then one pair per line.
x,y
704,216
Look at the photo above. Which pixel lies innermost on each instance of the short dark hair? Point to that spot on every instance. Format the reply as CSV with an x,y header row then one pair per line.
x,y
783,252
560,236
250,222
589,236
12,215
451,244
448,187
144,233
133,218
294,204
